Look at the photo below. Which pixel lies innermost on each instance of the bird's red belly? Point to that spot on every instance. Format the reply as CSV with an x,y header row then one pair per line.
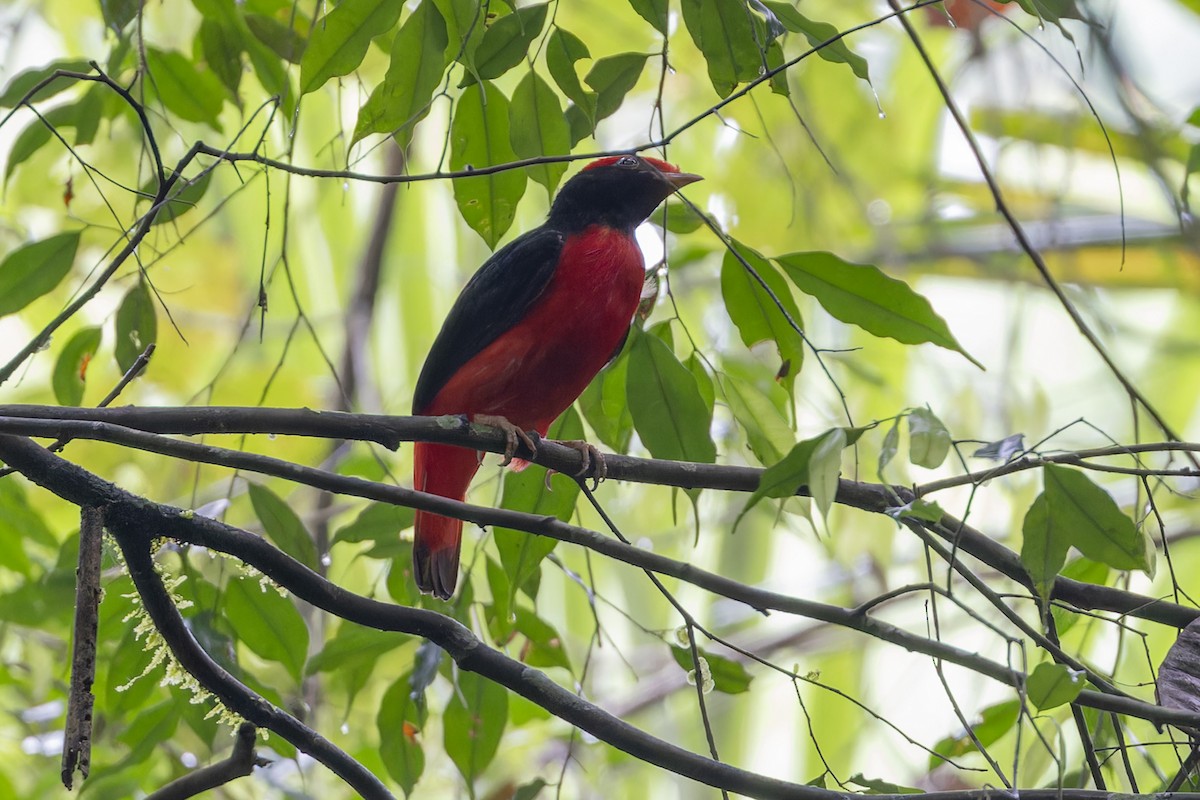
x,y
536,369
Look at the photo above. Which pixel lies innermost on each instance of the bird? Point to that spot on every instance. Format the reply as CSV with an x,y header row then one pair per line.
x,y
529,331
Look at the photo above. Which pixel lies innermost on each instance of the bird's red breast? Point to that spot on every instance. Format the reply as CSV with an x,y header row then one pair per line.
x,y
532,372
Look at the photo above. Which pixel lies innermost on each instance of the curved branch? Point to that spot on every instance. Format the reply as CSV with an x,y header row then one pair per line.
x,y
134,521
136,546
241,762
38,465
391,431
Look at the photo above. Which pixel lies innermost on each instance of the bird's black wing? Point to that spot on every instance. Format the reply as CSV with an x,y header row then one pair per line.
x,y
494,300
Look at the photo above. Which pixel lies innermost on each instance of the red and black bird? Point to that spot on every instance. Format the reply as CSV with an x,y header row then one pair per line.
x,y
530,330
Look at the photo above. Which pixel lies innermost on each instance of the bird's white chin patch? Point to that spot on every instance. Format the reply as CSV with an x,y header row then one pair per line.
x,y
650,243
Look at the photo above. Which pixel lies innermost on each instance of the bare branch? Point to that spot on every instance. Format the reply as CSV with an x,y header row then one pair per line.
x,y
241,762
77,739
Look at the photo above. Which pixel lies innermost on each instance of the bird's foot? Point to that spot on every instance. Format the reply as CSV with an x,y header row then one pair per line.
x,y
594,465
512,435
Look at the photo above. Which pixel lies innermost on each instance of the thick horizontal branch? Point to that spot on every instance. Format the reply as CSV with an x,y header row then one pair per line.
x,y
390,431
554,528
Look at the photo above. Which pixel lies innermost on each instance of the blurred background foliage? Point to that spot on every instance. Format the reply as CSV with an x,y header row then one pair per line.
x,y
246,284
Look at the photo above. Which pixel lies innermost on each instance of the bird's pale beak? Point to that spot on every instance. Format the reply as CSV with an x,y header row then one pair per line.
x,y
681,179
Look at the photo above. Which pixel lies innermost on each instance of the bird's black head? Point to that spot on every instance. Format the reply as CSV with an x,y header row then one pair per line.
x,y
618,192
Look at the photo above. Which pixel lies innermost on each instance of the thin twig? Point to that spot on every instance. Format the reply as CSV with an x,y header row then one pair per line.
x,y
240,763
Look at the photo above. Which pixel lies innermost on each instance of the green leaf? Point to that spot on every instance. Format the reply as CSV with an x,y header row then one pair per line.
x,y
1043,546
70,371
605,407
538,128
268,624
88,112
654,12
418,59
400,586
221,47
340,39
862,295
668,411
920,508
282,526
379,522
400,720
1054,11
723,31
479,138
612,78
876,786
31,271
283,40
1051,685
928,439
891,443
818,32
19,86
353,644
728,676
19,525
1099,529
680,218
465,25
182,198
785,478
137,325
188,93
767,431
563,50
119,13
1074,511
545,647
500,616
473,723
128,685
506,43
994,722
774,60
521,553
37,134
271,74
1079,569
149,729
530,790
758,315
704,381
824,468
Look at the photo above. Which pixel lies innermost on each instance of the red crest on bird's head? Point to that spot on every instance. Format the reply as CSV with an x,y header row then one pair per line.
x,y
660,165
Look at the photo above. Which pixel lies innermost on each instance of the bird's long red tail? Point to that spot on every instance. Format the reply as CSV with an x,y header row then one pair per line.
x,y
445,471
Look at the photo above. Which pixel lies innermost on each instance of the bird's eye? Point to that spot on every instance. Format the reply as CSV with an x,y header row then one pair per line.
x,y
627,161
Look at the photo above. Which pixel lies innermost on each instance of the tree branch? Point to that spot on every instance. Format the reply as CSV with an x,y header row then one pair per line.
x,y
77,738
391,431
136,540
37,464
134,521
241,762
